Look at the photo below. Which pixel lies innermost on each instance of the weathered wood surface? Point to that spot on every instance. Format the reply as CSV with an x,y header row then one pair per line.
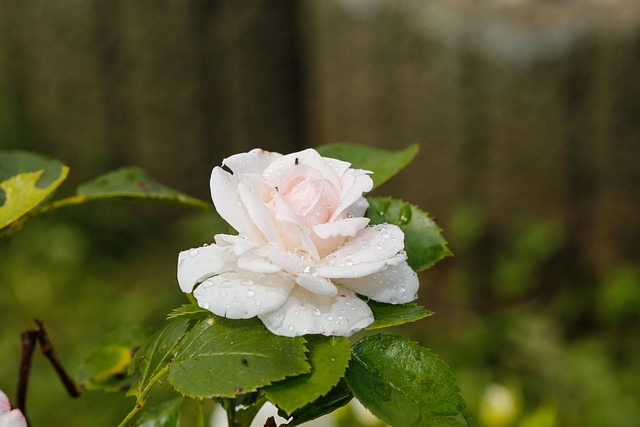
x,y
526,109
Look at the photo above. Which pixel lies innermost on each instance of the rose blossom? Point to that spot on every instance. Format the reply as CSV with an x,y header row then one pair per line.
x,y
303,249
10,417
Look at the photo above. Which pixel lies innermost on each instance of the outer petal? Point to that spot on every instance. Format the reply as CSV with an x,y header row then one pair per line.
x,y
255,161
5,405
371,251
316,284
307,313
346,227
239,298
397,284
195,265
226,199
354,183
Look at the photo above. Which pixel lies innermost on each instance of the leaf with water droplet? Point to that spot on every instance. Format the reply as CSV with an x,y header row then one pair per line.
x,y
405,384
383,163
329,357
206,359
423,240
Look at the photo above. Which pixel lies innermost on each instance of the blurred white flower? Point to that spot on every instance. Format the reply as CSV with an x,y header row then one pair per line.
x,y
304,247
10,417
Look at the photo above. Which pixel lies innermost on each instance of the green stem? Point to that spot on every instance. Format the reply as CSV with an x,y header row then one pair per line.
x,y
200,414
142,398
229,405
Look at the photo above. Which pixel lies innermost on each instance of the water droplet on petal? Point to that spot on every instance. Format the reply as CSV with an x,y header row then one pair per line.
x,y
316,313
205,305
329,318
250,293
291,328
394,300
258,303
193,252
348,263
307,269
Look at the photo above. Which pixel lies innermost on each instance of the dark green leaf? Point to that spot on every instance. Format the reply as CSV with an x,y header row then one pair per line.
x,y
329,358
339,396
423,239
134,183
383,163
106,367
166,414
225,357
404,384
393,315
25,181
156,354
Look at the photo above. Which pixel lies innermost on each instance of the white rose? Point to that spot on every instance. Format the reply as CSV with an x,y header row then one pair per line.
x,y
10,417
303,248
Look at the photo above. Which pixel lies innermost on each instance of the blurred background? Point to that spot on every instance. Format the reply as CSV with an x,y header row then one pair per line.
x,y
528,118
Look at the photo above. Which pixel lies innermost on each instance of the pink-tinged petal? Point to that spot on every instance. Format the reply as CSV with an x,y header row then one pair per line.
x,y
397,284
255,161
248,189
256,264
195,265
5,405
348,227
317,285
240,298
369,252
226,199
308,313
338,166
13,418
355,182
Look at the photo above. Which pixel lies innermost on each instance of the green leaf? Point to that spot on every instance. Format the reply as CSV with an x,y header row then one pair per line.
x,y
189,311
226,357
166,414
106,367
339,396
393,315
156,354
423,239
329,358
383,163
25,181
134,183
404,384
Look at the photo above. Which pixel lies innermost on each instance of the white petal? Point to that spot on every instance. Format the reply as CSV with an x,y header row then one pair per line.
x,y
255,161
256,264
355,182
358,208
249,190
239,298
307,313
397,284
317,285
346,227
13,418
195,265
5,405
226,199
290,261
369,252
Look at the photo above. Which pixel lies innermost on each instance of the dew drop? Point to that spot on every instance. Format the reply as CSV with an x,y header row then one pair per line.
x,y
315,312
348,263
394,300
250,293
307,269
193,252
258,303
205,305
181,262
297,313
329,318
405,215
291,328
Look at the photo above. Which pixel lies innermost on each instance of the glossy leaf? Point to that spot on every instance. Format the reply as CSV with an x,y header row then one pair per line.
x,y
329,358
423,239
383,163
25,181
225,357
393,315
156,354
106,367
339,396
166,414
404,384
134,183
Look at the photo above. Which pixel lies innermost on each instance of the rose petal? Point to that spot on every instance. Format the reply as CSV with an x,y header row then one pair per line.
x,y
317,285
256,264
258,212
226,199
293,262
239,298
255,161
5,405
348,227
354,183
358,208
13,418
369,252
307,313
397,284
195,265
